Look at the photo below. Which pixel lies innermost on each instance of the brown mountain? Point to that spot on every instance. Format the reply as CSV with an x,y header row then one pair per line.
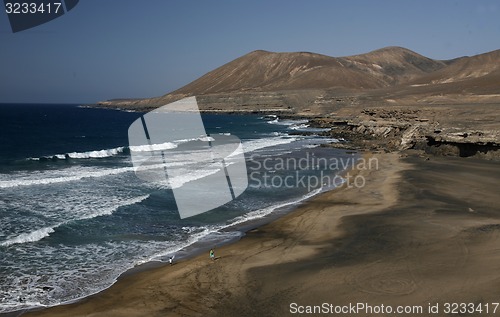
x,y
393,64
476,74
263,79
268,71
391,98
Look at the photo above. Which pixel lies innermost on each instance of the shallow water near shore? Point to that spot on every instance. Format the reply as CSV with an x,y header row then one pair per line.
x,y
74,216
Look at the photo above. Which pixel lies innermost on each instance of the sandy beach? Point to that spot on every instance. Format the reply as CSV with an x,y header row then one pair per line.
x,y
420,232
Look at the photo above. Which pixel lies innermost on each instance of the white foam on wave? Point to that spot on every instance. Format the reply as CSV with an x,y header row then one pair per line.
x,y
29,237
206,139
268,210
189,176
36,298
167,145
205,231
287,122
195,235
96,154
118,150
279,134
43,179
257,144
311,146
153,147
69,279
299,126
83,155
111,209
39,234
26,181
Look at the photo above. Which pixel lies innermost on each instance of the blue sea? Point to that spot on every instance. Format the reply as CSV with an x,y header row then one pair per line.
x,y
74,215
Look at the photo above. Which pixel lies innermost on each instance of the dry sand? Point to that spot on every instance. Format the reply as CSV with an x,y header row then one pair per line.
x,y
418,232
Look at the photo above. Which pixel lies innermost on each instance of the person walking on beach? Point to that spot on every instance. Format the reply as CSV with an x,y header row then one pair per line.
x,y
171,260
212,254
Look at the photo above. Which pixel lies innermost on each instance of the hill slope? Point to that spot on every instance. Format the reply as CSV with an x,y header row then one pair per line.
x,y
476,74
394,64
268,71
292,80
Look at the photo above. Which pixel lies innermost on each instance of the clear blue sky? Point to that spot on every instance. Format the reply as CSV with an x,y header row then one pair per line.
x,y
106,49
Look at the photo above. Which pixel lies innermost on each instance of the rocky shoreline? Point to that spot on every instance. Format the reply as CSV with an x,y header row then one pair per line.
x,y
443,130
404,129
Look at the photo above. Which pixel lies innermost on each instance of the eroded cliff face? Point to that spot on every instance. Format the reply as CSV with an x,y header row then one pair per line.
x,y
434,130
366,121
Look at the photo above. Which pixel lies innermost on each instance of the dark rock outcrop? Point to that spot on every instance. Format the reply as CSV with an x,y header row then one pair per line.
x,y
403,129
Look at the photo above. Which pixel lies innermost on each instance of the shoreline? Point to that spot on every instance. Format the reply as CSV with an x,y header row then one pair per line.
x,y
189,251
196,249
227,235
416,237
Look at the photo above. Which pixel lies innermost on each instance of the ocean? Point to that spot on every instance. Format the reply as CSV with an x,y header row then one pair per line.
x,y
74,215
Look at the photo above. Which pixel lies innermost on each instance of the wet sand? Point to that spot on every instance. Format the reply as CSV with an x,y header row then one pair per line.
x,y
419,232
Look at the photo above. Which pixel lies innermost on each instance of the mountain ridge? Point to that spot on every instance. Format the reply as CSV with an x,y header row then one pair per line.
x,y
383,72
306,70
389,99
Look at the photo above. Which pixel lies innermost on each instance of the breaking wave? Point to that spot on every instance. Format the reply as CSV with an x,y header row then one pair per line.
x,y
96,154
82,155
36,235
39,234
